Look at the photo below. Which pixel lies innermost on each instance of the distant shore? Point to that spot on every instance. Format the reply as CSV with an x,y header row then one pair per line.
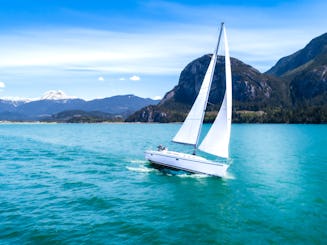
x,y
41,122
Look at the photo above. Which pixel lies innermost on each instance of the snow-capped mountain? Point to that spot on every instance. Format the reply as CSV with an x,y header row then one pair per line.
x,y
56,95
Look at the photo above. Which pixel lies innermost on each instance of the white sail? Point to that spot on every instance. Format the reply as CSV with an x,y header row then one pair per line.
x,y
190,130
216,141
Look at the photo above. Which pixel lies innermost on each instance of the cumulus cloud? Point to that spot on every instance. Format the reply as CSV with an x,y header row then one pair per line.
x,y
2,85
101,78
122,79
135,78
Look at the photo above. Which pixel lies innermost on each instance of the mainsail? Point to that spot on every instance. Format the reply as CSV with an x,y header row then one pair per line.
x,y
216,141
190,130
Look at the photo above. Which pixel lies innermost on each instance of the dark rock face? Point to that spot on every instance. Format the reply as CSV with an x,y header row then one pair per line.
x,y
249,85
310,86
150,114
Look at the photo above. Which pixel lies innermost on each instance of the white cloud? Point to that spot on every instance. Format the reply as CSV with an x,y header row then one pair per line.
x,y
158,97
163,52
101,78
122,79
2,85
135,78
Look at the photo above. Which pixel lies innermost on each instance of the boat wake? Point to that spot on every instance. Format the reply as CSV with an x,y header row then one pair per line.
x,y
142,169
183,174
193,176
138,161
229,176
140,166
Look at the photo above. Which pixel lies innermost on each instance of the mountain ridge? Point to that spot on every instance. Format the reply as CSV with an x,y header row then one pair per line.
x,y
42,109
308,80
315,47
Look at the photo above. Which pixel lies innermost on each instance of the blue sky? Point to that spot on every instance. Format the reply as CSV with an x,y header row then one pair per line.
x,y
96,49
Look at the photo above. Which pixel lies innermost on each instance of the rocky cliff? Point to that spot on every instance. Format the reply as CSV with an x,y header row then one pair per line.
x,y
252,90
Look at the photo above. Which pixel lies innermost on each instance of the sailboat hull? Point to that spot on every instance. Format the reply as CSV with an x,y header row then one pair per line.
x,y
186,162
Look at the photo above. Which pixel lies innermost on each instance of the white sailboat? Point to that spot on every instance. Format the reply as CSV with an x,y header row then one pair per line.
x,y
216,142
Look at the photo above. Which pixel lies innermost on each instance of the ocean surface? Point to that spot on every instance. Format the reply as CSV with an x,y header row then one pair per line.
x,y
89,183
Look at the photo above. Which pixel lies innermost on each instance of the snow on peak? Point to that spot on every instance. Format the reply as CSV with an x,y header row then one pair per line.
x,y
55,95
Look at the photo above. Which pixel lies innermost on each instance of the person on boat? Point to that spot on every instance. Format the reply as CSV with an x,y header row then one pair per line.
x,y
161,148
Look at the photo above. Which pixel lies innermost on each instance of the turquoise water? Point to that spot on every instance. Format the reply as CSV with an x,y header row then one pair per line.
x,y
89,183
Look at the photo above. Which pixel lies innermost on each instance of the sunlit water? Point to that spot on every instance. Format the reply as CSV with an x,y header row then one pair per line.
x,y
82,183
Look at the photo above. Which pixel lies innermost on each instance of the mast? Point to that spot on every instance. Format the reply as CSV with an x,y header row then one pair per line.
x,y
207,95
216,142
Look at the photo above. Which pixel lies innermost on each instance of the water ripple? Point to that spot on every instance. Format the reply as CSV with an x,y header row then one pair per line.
x,y
72,184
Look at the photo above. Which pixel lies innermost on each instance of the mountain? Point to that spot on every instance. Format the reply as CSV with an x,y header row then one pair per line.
x,y
55,95
39,109
6,105
315,48
7,108
306,71
250,87
292,91
121,104
252,91
55,102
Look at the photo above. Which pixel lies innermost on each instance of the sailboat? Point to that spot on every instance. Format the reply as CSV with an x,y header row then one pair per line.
x,y
216,142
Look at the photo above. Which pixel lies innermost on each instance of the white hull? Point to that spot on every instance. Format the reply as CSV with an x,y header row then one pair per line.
x,y
186,162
